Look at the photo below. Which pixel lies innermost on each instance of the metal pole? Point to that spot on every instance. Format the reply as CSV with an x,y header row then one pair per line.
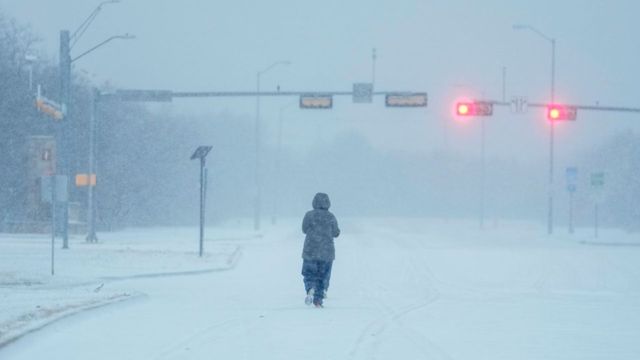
x,y
30,76
65,85
91,236
373,70
504,84
551,135
278,165
570,212
53,221
256,215
202,163
596,221
482,176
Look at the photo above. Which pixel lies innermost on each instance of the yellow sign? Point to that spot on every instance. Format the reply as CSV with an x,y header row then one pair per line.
x,y
48,109
85,180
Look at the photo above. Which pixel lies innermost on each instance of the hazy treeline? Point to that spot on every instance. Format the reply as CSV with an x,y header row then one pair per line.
x,y
145,176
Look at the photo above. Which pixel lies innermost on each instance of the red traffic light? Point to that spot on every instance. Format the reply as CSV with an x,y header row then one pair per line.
x,y
462,109
561,112
474,108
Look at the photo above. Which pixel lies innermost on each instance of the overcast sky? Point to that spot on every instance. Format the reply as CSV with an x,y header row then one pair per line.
x,y
451,49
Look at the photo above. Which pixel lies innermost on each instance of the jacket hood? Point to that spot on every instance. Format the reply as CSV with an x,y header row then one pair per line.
x,y
321,201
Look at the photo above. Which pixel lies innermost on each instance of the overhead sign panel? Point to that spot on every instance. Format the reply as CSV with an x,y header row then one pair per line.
x,y
406,100
316,101
362,93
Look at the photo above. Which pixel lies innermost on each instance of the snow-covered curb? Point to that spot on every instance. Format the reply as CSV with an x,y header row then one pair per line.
x,y
88,277
30,322
231,263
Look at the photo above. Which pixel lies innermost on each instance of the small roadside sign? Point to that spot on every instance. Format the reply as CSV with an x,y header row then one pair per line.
x,y
85,180
46,188
597,179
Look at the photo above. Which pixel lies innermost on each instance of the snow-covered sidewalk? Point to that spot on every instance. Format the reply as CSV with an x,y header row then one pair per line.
x,y
86,274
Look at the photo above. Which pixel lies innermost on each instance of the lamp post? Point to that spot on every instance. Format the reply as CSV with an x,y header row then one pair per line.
x,y
67,42
91,235
257,200
552,41
278,161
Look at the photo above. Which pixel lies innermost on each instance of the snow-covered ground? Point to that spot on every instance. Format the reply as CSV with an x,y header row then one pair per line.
x,y
86,274
401,289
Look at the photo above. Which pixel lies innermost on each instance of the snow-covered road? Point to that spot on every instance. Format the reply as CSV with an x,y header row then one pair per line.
x,y
401,289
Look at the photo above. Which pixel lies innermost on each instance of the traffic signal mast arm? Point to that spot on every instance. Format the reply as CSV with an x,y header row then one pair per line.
x,y
578,107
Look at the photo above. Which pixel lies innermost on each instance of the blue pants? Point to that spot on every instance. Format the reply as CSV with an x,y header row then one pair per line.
x,y
316,276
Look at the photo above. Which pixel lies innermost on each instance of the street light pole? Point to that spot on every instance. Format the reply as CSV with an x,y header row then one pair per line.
x,y
258,194
278,163
552,41
91,236
95,94
65,60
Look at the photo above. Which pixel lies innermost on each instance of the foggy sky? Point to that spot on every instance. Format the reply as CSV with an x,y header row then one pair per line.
x,y
451,49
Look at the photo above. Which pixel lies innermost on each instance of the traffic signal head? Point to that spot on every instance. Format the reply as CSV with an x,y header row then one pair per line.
x,y
462,109
474,108
561,112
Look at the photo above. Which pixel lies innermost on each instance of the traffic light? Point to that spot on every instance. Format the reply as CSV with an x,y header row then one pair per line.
x,y
561,112
474,108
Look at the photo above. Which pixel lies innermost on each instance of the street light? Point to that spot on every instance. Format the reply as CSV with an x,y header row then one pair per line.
x,y
126,36
257,200
552,41
67,42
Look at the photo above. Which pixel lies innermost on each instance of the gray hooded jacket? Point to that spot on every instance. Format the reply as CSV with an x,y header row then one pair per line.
x,y
321,227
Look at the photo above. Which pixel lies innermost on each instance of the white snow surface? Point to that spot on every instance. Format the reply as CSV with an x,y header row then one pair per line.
x,y
400,289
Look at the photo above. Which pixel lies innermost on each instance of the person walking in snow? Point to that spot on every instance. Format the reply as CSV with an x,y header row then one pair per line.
x,y
320,227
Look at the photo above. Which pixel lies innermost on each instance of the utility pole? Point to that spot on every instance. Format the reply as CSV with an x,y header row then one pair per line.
x,y
504,84
373,69
91,208
62,156
552,41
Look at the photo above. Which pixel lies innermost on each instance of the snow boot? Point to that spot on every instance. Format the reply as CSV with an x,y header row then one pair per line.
x,y
309,299
318,303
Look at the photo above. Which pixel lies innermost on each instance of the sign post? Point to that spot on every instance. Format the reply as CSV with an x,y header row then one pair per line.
x,y
597,183
53,189
572,184
201,153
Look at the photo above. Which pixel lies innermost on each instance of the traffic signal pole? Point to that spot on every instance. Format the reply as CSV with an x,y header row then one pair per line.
x,y
551,136
62,167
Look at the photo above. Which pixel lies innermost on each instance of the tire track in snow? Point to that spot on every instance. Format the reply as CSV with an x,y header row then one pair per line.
x,y
372,336
195,339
